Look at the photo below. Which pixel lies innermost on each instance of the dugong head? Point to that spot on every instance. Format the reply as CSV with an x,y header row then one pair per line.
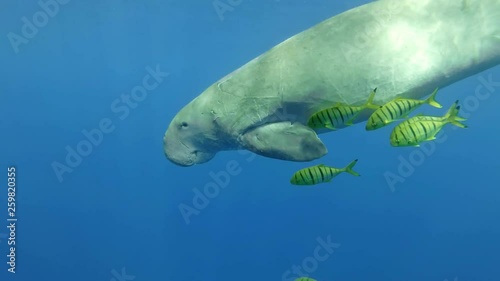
x,y
191,137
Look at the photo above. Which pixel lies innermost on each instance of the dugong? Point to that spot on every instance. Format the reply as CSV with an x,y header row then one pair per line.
x,y
401,47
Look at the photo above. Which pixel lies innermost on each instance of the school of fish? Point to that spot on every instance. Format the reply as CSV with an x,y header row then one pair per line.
x,y
410,132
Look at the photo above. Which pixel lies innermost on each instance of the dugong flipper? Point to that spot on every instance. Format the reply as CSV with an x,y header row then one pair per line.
x,y
284,140
402,47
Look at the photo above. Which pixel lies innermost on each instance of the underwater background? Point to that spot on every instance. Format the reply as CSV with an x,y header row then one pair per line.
x,y
430,213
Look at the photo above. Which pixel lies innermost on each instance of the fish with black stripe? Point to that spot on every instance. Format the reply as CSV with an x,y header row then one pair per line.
x,y
320,174
396,109
340,115
418,129
305,279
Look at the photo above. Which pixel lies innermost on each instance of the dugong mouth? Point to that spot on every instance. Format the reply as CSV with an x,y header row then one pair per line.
x,y
186,160
184,155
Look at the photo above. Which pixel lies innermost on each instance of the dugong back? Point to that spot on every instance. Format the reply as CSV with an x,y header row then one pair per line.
x,y
401,47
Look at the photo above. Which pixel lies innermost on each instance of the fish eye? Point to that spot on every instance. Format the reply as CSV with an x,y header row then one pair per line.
x,y
184,124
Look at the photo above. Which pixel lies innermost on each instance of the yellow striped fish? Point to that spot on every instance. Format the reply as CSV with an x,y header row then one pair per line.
x,y
422,117
340,115
398,108
320,174
420,128
304,279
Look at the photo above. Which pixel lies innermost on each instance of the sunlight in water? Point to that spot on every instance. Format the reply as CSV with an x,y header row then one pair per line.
x,y
403,38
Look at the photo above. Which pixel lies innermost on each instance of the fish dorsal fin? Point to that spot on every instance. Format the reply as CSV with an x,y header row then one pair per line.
x,y
320,165
371,97
369,103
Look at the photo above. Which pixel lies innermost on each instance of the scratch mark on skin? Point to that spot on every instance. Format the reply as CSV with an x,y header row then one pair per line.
x,y
340,94
219,86
223,106
342,98
280,85
257,110
260,98
215,115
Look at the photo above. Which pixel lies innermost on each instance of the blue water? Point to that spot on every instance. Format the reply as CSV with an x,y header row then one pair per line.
x,y
114,215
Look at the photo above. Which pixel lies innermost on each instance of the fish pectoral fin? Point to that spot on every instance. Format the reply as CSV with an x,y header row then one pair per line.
x,y
433,137
330,126
351,120
285,141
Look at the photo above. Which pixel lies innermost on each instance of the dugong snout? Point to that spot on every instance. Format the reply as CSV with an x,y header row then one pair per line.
x,y
183,154
189,139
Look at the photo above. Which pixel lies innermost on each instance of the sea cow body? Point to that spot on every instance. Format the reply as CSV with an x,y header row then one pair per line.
x,y
401,47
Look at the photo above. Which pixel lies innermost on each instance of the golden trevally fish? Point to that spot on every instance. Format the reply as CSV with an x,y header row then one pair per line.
x,y
418,129
399,108
320,174
340,115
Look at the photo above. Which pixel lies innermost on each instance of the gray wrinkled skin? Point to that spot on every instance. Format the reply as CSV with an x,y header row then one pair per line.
x,y
403,47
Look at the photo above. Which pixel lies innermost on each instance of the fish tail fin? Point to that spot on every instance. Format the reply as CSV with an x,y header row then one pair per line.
x,y
432,99
369,102
452,116
348,168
